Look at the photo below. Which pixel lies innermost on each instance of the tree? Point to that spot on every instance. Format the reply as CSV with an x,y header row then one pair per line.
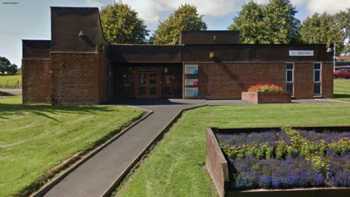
x,y
250,22
281,23
4,64
343,20
321,29
6,67
185,18
12,69
274,23
121,24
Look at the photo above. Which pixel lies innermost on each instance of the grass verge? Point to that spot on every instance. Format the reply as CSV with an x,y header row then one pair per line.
x,y
175,167
10,81
34,139
342,89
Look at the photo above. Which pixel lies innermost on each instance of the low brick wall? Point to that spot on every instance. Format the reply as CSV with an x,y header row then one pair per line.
x,y
218,170
260,97
216,164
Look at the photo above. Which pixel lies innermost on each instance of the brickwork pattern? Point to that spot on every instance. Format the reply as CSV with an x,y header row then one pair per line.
x,y
36,80
77,78
228,81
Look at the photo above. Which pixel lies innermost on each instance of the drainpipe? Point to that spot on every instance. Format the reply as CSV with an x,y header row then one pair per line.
x,y
334,56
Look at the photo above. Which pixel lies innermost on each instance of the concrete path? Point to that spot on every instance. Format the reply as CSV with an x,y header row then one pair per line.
x,y
12,91
94,177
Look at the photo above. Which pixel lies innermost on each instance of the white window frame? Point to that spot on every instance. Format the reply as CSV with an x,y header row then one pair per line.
x,y
314,77
286,76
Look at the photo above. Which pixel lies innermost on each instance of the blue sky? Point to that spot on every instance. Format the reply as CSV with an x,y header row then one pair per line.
x,y
30,19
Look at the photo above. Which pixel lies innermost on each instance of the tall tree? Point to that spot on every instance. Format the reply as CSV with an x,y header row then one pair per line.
x,y
343,20
185,18
250,22
121,24
322,29
274,23
281,23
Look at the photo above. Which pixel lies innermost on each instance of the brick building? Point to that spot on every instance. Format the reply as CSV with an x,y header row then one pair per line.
x,y
78,67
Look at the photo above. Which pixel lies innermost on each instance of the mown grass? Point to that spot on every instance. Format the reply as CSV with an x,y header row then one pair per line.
x,y
34,139
14,100
175,168
10,81
342,89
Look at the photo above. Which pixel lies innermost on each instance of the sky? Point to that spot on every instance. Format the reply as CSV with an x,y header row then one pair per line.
x,y
30,19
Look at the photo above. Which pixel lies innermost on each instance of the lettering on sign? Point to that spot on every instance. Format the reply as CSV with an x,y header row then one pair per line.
x,y
301,53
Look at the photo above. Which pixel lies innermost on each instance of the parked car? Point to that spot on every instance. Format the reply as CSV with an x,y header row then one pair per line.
x,y
343,73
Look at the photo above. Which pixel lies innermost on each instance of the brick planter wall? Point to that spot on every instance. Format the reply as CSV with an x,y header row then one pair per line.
x,y
216,164
261,97
218,170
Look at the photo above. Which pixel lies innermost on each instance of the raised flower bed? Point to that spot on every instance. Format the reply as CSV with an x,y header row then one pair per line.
x,y
276,162
266,93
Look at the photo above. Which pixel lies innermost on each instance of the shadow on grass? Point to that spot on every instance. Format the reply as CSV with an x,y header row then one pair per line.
x,y
340,96
47,111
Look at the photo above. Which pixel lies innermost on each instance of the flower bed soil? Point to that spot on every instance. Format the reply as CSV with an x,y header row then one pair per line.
x,y
275,161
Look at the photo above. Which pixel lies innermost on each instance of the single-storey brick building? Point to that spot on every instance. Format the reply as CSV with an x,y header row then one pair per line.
x,y
77,66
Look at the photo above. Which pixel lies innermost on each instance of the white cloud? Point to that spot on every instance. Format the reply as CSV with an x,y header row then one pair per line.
x,y
152,10
328,6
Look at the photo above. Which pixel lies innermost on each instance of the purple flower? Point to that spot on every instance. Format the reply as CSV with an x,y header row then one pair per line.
x,y
265,182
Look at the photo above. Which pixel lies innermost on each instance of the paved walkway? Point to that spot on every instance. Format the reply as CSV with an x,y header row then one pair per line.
x,y
12,91
95,176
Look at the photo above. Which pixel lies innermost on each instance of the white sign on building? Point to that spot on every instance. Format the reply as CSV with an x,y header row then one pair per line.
x,y
301,53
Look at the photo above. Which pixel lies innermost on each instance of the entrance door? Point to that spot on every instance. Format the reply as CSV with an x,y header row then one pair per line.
x,y
147,85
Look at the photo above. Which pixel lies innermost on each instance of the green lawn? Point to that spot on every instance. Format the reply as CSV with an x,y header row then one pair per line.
x,y
175,168
14,100
34,139
342,89
10,81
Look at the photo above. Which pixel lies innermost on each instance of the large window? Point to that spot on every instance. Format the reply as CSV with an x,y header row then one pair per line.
x,y
317,79
191,81
289,78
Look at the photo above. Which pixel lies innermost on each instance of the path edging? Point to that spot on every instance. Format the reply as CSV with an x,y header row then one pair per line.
x,y
148,148
76,160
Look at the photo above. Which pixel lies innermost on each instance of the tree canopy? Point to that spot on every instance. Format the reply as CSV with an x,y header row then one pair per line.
x,y
185,18
6,67
343,20
251,24
274,23
322,28
121,24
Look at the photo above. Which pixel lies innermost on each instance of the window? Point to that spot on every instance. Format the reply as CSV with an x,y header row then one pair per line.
x,y
317,79
289,78
191,81
191,92
191,69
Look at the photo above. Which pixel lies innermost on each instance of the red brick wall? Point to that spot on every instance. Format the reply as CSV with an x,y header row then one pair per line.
x,y
216,164
303,81
36,80
227,81
78,78
327,80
